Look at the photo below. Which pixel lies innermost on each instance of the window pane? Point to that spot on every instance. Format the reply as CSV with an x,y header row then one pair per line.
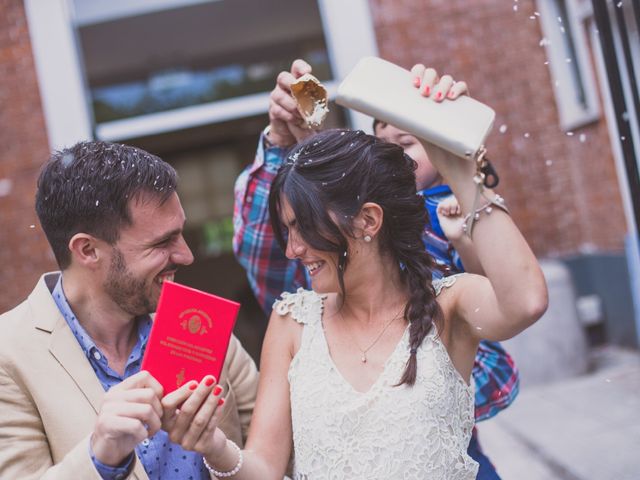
x,y
200,53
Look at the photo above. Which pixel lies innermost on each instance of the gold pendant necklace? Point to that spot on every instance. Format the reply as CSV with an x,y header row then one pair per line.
x,y
363,358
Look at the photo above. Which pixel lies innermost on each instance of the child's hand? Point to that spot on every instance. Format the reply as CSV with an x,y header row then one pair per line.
x,y
450,218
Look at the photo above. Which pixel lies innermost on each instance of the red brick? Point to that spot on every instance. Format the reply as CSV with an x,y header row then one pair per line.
x,y
25,253
562,206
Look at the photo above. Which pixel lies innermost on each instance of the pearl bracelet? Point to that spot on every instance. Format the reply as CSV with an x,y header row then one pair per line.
x,y
472,217
231,472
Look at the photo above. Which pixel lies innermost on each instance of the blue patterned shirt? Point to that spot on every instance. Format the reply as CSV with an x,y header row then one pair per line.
x,y
161,458
435,241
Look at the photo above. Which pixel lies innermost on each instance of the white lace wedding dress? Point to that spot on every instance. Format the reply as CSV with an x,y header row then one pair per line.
x,y
420,432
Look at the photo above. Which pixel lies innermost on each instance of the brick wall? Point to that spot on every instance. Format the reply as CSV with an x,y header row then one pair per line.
x,y
24,252
562,190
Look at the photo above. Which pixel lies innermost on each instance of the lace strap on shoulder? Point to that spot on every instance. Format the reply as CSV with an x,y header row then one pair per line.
x,y
445,282
305,306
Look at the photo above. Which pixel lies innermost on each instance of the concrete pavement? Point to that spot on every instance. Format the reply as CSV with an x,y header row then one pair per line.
x,y
584,428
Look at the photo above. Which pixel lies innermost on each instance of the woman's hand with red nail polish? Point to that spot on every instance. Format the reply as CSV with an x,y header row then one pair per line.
x,y
194,425
425,79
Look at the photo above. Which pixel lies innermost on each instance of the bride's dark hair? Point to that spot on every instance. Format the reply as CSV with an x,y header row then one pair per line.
x,y
326,179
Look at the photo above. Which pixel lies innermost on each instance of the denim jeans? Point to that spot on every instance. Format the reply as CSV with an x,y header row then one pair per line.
x,y
486,471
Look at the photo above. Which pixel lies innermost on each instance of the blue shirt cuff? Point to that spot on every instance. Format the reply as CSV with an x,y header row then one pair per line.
x,y
113,473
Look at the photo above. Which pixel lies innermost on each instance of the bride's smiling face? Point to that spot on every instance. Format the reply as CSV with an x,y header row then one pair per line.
x,y
322,267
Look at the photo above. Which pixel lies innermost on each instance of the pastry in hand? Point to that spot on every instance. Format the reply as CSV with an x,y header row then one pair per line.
x,y
311,98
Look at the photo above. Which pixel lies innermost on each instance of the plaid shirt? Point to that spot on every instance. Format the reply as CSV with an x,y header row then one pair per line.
x,y
270,272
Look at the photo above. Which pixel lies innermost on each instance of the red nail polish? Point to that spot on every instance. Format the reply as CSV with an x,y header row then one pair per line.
x,y
416,81
438,95
427,90
450,95
221,402
209,381
217,390
193,386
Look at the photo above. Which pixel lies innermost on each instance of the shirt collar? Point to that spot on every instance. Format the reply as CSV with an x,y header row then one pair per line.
x,y
85,341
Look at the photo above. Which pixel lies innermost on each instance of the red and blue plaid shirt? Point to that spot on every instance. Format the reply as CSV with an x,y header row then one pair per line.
x,y
270,272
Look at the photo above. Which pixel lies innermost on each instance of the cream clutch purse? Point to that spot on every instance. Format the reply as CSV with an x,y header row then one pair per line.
x,y
385,91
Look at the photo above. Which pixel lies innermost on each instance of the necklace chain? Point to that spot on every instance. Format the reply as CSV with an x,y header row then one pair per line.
x,y
363,359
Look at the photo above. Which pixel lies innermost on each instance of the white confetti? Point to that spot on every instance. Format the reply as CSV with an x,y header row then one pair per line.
x,y
549,163
97,202
5,186
32,226
503,128
67,158
515,8
477,310
569,134
544,41
527,135
568,60
583,138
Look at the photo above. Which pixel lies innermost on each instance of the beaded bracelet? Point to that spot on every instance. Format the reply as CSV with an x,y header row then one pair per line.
x,y
472,217
231,472
485,176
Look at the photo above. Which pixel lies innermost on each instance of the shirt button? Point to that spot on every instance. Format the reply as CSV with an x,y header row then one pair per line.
x,y
145,442
97,355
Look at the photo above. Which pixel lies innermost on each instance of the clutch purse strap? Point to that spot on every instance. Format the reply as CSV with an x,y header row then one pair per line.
x,y
485,173
485,177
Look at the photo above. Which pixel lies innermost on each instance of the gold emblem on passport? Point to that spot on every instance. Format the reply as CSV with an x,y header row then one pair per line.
x,y
195,321
180,378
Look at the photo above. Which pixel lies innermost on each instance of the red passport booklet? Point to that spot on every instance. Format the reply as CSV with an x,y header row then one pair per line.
x,y
189,337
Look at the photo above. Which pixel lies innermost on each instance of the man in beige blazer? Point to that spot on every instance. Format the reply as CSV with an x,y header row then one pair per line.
x,y
114,221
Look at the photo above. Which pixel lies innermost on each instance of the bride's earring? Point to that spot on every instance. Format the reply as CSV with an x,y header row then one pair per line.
x,y
367,238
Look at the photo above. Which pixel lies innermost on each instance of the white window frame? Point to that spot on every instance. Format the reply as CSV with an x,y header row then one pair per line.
x,y
60,79
572,114
65,98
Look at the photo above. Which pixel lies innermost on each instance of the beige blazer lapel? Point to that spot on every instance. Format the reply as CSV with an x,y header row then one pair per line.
x,y
66,350
63,345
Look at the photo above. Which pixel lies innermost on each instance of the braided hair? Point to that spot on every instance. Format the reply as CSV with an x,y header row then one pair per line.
x,y
327,179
